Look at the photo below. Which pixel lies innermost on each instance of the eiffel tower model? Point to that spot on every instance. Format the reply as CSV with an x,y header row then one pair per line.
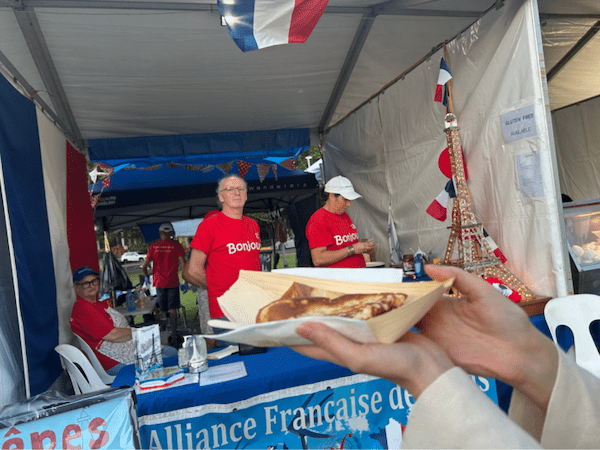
x,y
467,247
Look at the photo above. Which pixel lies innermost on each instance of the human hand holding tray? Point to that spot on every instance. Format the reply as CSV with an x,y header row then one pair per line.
x,y
253,290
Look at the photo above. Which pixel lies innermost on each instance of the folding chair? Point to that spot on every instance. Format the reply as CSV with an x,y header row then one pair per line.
x,y
80,370
105,377
577,312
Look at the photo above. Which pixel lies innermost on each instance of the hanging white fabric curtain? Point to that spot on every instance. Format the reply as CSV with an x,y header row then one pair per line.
x,y
389,149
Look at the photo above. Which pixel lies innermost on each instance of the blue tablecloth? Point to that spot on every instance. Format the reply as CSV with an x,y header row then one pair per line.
x,y
278,368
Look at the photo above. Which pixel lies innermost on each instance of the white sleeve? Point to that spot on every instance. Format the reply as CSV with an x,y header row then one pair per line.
x,y
573,416
453,413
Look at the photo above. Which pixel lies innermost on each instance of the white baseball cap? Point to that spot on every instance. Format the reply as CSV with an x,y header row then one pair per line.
x,y
343,186
166,228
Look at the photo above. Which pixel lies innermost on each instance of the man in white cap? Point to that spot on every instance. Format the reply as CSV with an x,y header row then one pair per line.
x,y
332,237
166,255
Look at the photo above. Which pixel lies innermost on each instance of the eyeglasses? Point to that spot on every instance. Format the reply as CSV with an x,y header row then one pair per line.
x,y
239,190
88,284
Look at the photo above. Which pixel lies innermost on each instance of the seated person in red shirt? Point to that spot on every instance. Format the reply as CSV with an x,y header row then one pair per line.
x,y
104,329
332,237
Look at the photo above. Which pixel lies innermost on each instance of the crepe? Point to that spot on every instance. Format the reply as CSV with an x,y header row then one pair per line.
x,y
301,300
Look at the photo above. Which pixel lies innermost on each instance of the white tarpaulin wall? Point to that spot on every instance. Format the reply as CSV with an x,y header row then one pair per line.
x,y
578,149
389,148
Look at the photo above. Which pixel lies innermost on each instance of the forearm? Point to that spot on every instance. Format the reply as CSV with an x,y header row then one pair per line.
x,y
536,367
118,335
327,257
196,276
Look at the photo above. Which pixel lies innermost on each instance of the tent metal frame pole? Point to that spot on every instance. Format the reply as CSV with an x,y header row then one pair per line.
x,y
560,221
358,42
392,7
32,93
34,38
573,51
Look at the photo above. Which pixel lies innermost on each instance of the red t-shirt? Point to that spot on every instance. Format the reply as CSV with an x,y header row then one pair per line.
x,y
165,263
334,231
91,322
230,245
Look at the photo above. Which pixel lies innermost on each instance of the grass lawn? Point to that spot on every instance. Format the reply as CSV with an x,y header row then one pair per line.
x,y
188,300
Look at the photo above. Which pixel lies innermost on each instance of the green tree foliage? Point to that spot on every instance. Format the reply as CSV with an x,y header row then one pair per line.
x,y
313,152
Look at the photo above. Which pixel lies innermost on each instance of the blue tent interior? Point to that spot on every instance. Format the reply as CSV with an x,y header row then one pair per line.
x,y
171,178
159,194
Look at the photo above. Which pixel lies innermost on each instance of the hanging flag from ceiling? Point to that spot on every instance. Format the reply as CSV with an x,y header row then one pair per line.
x,y
441,94
255,24
263,170
225,167
287,163
243,167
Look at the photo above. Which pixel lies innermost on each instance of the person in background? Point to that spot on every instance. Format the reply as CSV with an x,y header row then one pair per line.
x,y
166,256
104,329
332,237
554,402
224,244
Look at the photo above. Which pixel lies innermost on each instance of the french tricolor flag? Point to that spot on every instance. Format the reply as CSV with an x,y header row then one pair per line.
x,y
443,78
438,207
255,24
494,247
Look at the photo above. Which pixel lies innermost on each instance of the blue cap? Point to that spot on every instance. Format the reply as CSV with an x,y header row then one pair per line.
x,y
83,271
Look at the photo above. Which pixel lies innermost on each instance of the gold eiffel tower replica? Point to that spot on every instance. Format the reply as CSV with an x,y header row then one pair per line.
x,y
467,247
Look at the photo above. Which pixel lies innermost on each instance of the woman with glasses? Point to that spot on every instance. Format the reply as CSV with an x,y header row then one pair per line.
x,y
104,329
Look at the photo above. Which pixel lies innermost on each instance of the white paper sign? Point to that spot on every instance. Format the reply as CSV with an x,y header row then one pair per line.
x,y
519,124
224,372
529,174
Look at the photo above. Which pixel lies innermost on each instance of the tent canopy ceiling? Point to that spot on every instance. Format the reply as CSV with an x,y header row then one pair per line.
x,y
123,69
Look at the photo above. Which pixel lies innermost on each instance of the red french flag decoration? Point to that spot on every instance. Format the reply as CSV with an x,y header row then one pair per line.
x,y
438,207
443,78
256,24
494,247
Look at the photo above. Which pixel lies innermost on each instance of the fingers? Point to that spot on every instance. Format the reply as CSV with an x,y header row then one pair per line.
x,y
467,284
329,344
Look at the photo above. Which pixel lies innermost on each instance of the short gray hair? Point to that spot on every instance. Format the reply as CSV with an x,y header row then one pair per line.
x,y
227,177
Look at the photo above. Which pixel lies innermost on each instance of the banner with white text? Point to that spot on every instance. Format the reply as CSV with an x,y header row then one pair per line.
x,y
351,412
104,421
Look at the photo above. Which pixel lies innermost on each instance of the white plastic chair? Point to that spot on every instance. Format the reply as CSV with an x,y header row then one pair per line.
x,y
577,312
80,370
105,377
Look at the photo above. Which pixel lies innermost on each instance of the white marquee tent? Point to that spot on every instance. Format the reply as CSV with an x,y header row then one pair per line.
x,y
117,69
